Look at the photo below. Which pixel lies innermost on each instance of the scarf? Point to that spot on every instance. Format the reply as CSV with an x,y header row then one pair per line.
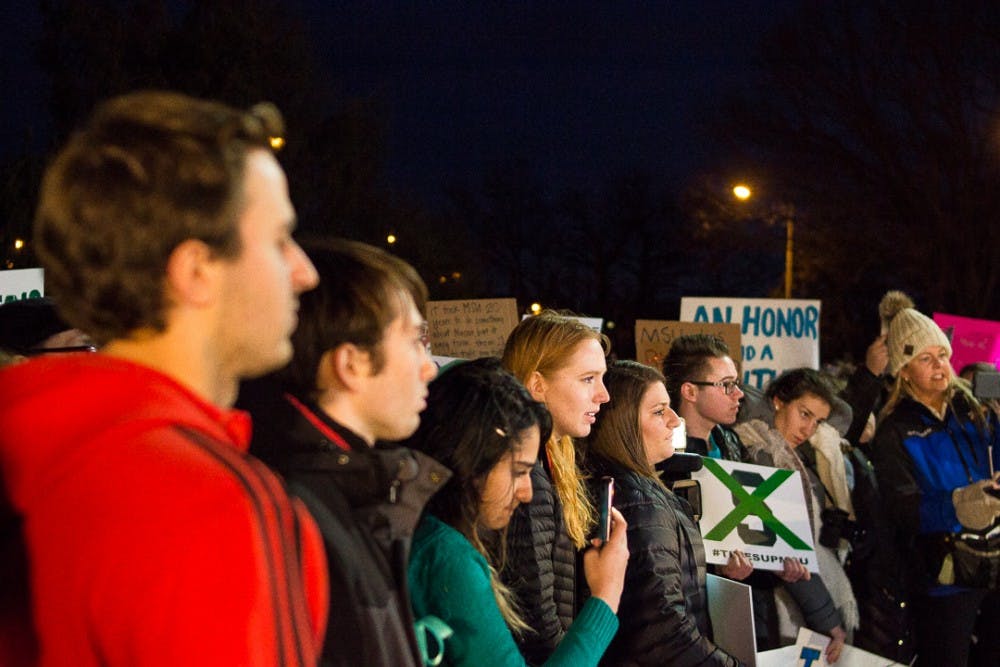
x,y
761,438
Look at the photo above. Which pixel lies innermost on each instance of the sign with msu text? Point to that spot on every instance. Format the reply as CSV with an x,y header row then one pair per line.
x,y
776,334
653,338
759,510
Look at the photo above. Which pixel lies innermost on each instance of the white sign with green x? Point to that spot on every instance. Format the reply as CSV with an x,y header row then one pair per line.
x,y
759,510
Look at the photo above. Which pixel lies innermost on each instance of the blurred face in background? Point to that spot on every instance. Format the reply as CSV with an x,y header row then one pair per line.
x,y
798,419
394,396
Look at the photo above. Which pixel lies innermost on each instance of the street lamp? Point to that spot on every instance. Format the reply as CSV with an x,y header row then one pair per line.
x,y
743,193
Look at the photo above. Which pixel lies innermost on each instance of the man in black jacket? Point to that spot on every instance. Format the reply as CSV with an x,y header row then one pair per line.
x,y
705,391
358,377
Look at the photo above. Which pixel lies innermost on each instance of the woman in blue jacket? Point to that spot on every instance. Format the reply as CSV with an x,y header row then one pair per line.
x,y
932,451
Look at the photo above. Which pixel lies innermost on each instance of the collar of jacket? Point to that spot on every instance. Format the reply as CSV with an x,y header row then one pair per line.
x,y
384,475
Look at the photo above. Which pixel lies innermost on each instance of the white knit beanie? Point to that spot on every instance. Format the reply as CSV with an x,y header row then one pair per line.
x,y
908,330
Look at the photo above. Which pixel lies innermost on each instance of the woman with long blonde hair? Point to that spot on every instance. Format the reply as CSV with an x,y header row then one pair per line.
x,y
935,451
561,362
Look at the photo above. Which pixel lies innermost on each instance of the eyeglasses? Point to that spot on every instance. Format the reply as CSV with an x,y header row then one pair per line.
x,y
727,386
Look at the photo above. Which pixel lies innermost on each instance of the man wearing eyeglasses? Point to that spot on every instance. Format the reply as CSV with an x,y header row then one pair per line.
x,y
705,390
358,378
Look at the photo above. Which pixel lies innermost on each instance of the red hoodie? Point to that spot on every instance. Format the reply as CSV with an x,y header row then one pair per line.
x,y
152,538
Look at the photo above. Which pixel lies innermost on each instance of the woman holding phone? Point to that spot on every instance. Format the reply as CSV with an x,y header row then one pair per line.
x,y
483,425
664,612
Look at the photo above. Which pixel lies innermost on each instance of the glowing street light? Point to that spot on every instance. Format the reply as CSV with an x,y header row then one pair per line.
x,y
390,239
536,308
743,193
18,244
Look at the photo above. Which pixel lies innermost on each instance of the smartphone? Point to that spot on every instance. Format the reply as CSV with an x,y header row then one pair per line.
x,y
605,496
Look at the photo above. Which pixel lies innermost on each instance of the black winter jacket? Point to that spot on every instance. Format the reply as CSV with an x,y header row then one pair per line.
x,y
366,502
540,568
725,439
663,613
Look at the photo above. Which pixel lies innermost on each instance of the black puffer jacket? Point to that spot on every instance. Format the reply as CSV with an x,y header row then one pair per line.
x,y
366,502
541,568
663,613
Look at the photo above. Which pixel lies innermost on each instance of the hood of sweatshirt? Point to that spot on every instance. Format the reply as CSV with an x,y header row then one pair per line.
x,y
59,408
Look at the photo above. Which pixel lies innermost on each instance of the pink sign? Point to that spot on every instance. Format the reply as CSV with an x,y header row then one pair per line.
x,y
971,339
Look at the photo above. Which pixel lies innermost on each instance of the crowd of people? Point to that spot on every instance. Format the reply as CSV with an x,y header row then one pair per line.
x,y
356,507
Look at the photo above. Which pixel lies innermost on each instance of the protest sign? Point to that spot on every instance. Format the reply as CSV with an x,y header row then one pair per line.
x,y
18,284
471,328
653,338
759,510
971,339
776,334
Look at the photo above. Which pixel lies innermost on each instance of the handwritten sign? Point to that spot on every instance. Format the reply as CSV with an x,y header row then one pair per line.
x,y
777,334
18,284
971,339
471,328
653,338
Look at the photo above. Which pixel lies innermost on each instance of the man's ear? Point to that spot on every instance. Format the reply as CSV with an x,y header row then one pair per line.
x,y
689,392
192,275
537,386
343,368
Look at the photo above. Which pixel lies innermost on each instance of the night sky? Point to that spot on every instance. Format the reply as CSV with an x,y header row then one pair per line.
x,y
581,90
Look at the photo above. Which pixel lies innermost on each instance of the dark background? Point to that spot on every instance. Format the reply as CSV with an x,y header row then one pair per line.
x,y
580,154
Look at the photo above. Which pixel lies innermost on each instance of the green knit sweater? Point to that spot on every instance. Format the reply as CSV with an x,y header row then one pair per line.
x,y
449,579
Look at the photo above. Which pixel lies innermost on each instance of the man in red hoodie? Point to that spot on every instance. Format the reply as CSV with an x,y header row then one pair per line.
x,y
150,536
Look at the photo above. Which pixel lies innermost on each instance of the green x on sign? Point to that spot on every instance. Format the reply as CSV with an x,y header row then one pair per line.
x,y
751,503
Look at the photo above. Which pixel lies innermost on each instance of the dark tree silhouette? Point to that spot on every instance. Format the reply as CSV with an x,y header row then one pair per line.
x,y
617,253
240,52
878,120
